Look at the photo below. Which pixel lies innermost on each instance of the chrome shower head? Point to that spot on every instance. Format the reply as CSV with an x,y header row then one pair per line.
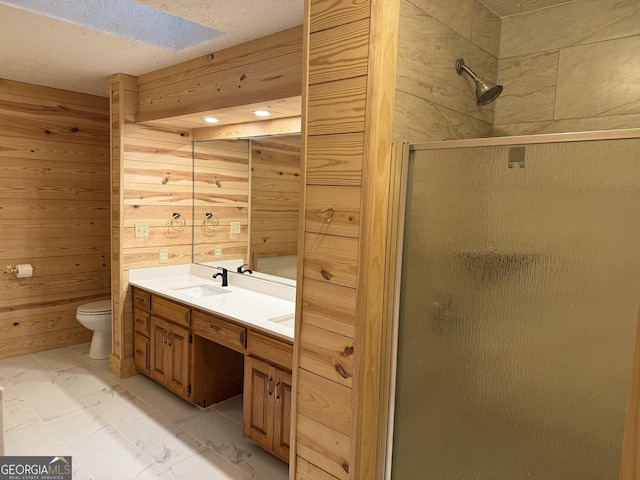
x,y
486,90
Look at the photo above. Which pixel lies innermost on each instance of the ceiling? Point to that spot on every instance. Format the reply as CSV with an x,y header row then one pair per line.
x,y
41,50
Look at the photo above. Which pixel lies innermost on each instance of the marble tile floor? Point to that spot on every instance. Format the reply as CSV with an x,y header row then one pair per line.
x,y
60,402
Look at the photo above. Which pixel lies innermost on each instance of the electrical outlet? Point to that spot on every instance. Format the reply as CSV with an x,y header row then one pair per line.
x,y
141,230
235,227
163,255
218,251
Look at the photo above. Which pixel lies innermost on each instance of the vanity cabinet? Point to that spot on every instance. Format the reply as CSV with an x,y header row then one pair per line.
x,y
170,355
267,393
162,341
206,359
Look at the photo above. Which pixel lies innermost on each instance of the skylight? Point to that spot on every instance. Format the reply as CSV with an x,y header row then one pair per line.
x,y
124,18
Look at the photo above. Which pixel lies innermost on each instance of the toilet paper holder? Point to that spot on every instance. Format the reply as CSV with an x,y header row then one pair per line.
x,y
12,269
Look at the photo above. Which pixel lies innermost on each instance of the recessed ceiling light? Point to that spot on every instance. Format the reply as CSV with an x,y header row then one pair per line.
x,y
211,119
261,113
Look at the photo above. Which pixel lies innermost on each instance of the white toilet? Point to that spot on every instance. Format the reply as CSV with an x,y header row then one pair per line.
x,y
96,316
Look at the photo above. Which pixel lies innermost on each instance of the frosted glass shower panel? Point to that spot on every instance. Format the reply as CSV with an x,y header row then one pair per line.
x,y
518,305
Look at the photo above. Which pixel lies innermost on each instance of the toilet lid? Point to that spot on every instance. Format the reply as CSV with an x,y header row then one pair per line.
x,y
101,306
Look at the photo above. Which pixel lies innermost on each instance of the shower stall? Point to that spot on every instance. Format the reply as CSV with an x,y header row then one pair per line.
x,y
516,305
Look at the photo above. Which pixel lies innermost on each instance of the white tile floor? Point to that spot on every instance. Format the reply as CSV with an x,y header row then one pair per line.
x,y
62,403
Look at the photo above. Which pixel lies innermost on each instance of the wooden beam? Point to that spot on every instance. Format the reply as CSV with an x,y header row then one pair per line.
x,y
279,126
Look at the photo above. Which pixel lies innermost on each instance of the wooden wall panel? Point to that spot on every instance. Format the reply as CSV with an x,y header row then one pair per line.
x,y
322,446
275,196
123,99
156,174
308,471
221,188
335,159
54,209
331,259
343,216
331,307
348,103
339,53
337,107
262,70
326,14
325,400
326,353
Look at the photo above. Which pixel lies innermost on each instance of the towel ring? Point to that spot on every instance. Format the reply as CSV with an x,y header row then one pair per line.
x,y
177,222
210,222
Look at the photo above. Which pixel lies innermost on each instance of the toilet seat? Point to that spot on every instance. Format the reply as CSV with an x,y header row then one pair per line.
x,y
101,307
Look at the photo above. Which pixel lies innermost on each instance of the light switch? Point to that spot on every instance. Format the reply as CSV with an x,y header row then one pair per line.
x,y
141,230
235,227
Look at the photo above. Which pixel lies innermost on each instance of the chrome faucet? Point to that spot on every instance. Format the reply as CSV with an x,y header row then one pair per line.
x,y
223,274
242,270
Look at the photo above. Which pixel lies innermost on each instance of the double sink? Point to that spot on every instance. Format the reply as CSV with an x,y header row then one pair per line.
x,y
201,291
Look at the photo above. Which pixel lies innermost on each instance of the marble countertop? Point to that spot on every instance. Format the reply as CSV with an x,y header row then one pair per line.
x,y
254,302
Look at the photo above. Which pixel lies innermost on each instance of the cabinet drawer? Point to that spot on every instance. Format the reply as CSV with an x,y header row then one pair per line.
x,y
220,331
270,349
141,299
142,322
141,352
169,310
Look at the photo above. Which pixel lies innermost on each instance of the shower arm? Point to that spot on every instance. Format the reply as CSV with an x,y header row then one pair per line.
x,y
461,67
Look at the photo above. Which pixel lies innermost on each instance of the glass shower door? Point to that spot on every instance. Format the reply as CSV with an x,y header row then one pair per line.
x,y
519,295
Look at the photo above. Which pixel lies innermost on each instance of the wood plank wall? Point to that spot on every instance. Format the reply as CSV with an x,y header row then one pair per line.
x,y
347,144
54,212
264,69
151,164
275,196
221,188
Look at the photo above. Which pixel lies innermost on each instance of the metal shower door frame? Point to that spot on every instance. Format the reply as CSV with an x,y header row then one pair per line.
x,y
401,153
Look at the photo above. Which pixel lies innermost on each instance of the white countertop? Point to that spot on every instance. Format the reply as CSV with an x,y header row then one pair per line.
x,y
250,301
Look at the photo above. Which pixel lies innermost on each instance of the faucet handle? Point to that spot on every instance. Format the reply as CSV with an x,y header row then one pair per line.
x,y
242,270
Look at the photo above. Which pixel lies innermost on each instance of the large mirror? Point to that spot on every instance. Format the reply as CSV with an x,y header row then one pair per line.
x,y
246,200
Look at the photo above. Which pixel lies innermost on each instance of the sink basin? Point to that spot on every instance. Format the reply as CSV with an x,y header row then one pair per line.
x,y
201,290
287,320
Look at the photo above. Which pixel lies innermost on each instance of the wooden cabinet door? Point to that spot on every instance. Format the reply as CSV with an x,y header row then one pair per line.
x,y
282,417
258,395
169,356
177,366
159,331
